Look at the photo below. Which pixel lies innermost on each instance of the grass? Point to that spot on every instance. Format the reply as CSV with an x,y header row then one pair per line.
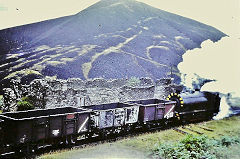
x,y
22,72
86,67
66,59
147,142
228,126
231,153
54,63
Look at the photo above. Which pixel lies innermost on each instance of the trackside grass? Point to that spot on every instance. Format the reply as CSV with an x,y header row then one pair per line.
x,y
150,144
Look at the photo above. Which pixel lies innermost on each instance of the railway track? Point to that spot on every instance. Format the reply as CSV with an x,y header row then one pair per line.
x,y
189,129
180,131
184,130
204,128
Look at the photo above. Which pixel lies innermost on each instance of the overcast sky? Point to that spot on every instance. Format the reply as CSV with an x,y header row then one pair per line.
x,y
222,14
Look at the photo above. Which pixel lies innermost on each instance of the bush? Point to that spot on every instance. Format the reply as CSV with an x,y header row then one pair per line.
x,y
191,147
228,141
195,147
25,104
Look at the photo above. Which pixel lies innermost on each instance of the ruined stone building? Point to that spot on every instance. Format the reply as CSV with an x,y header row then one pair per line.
x,y
74,92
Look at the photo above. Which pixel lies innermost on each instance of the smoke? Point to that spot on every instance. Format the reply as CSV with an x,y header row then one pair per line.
x,y
217,62
224,110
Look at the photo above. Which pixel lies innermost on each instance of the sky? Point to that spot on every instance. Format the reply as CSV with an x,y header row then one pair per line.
x,y
222,14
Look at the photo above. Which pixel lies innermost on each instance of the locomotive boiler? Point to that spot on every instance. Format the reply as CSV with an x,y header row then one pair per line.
x,y
195,106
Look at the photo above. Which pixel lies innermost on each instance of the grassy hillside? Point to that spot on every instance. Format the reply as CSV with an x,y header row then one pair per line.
x,y
111,39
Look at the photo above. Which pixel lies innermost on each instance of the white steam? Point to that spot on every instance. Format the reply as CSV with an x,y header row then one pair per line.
x,y
224,110
220,62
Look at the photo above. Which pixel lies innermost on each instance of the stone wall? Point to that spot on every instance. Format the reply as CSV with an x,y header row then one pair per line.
x,y
50,93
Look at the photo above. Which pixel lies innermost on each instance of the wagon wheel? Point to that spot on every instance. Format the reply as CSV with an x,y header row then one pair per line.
x,y
73,139
89,135
127,129
103,134
18,151
146,127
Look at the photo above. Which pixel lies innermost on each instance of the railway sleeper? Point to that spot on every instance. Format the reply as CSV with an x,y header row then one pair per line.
x,y
204,128
180,131
200,133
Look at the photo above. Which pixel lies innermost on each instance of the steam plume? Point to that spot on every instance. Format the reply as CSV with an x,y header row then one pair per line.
x,y
218,62
224,109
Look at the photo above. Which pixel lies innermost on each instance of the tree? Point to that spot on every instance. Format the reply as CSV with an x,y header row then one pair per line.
x,y
25,104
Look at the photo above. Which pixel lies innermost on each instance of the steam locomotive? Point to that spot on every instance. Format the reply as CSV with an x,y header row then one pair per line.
x,y
26,131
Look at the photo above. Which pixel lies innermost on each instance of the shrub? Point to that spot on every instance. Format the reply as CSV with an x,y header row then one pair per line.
x,y
25,104
228,141
191,147
195,147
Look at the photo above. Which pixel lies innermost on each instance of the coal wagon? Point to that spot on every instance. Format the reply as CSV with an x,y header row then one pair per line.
x,y
113,117
155,111
43,126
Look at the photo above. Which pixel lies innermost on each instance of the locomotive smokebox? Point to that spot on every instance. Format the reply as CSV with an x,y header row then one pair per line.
x,y
198,104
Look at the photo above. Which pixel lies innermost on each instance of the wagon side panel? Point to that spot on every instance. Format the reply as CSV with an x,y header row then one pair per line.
x,y
132,114
70,123
24,131
94,119
83,122
160,110
1,131
119,117
106,118
10,131
40,128
169,110
55,129
147,113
